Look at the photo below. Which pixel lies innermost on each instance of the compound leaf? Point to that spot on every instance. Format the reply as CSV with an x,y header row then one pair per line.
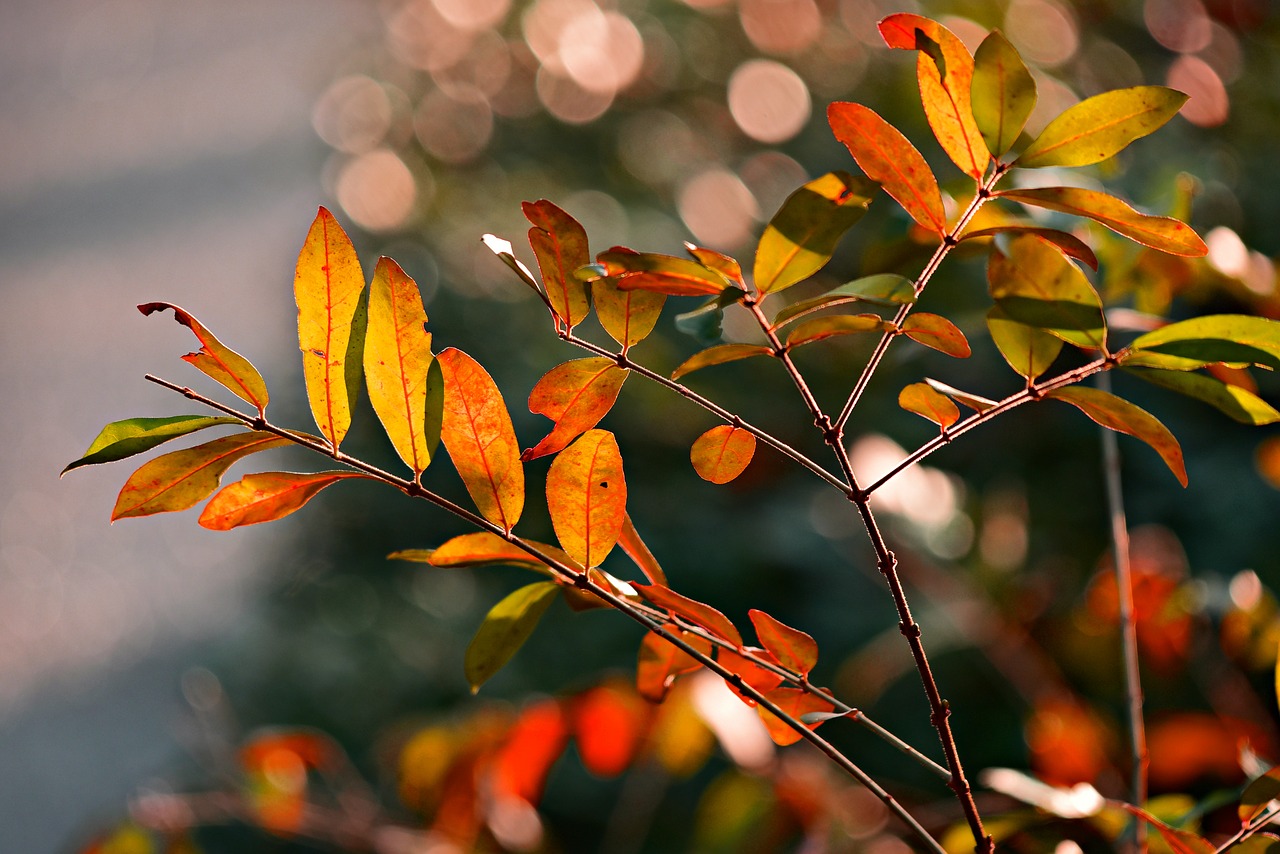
x,y
505,629
1124,417
1100,127
722,453
1159,232
217,360
122,439
265,497
587,496
575,395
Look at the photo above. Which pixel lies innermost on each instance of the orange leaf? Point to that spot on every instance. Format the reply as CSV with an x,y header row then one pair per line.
x,y
665,274
1159,232
587,496
397,358
327,286
575,395
560,244
482,548
944,70
692,610
609,723
889,159
718,261
661,661
218,360
1122,416
722,453
523,762
923,400
719,355
750,671
829,326
477,431
627,315
265,497
1069,743
178,480
933,330
793,648
629,540
795,702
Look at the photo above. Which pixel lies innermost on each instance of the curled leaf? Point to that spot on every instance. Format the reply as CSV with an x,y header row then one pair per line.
x,y
587,496
973,401
924,401
265,497
934,330
560,244
799,704
630,542
722,453
505,629
575,395
1100,127
1122,416
217,360
718,261
122,439
719,355
505,252
1159,232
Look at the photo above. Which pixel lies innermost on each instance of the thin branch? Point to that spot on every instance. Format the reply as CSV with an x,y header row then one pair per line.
x,y
1248,830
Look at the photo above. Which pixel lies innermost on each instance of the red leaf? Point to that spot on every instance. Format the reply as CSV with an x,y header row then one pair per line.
x,y
535,742
795,702
257,498
630,542
933,330
609,723
692,610
661,661
575,395
793,648
923,400
746,668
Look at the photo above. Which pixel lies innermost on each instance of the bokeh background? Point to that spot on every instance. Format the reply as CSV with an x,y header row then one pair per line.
x,y
177,153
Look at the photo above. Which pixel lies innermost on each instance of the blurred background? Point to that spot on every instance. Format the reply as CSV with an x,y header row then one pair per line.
x,y
158,152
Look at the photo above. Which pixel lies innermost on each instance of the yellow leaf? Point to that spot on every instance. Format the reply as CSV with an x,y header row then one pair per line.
x,y
217,360
587,496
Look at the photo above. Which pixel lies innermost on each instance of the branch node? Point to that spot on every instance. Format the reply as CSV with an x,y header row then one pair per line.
x,y
909,630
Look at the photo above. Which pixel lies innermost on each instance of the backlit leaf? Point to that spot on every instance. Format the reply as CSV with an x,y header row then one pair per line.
x,y
529,750
476,430
818,328
803,234
327,286
1179,841
973,401
483,548
1240,404
609,725
628,316
587,496
1159,232
745,666
934,330
718,261
560,244
257,498
1035,284
661,661
217,360
122,439
1068,243
1099,127
722,453
921,399
575,395
397,358
692,610
887,158
505,629
179,479
1120,415
1003,93
664,274
1230,338
1258,795
794,649
1028,350
629,541
719,355
880,289
505,252
797,703
944,70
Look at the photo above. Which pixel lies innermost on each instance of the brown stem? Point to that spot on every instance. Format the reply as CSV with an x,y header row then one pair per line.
x,y
1247,830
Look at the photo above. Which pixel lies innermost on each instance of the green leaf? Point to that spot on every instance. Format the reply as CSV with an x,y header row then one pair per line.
x,y
505,629
1123,417
628,316
1028,350
122,439
1240,404
803,234
973,401
1068,243
216,359
664,274
265,497
1258,795
819,328
718,355
1035,284
1100,127
1159,232
703,322
880,289
934,330
921,399
1230,338
1003,93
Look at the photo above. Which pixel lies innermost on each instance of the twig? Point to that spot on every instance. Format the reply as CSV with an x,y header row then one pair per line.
x,y
1248,830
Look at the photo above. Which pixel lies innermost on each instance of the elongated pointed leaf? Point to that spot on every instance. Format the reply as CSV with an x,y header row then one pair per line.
x,y
1159,232
1036,285
506,253
1124,417
793,648
575,395
397,357
1028,350
975,402
1068,243
1230,338
587,496
327,286
505,629
629,541
797,703
560,244
722,453
483,548
122,439
718,261
177,480
257,498
1258,795
1179,841
664,274
719,355
627,315
803,234
1003,93
944,71
819,328
1100,127
476,430
887,158
661,661
934,330
216,359
881,289
692,610
1240,404
924,401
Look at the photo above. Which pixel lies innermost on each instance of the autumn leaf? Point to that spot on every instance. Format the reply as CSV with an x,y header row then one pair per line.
x,y
1100,127
1071,245
880,289
1124,417
1229,338
1179,841
1036,285
719,355
924,401
179,479
505,629
122,439
975,402
627,315
609,725
476,430
265,497
819,328
934,330
483,548
1003,93
328,285
560,244
722,453
749,670
587,496
1238,403
887,158
1258,795
1028,350
629,541
692,610
529,750
704,322
711,259
575,395
794,649
1159,232
797,703
661,661
217,360
506,254
802,236
664,274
